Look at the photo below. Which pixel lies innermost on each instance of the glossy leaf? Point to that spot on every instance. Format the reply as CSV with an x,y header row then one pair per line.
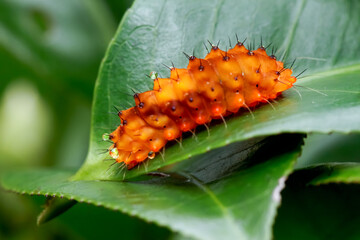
x,y
329,173
53,208
239,206
320,148
338,173
329,159
158,31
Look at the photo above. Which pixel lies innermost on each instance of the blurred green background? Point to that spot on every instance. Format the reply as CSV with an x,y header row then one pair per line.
x,y
50,52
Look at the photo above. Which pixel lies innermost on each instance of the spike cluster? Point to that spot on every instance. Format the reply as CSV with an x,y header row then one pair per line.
x,y
207,89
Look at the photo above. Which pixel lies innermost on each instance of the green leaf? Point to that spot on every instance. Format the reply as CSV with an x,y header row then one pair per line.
x,y
322,212
239,206
53,208
329,173
321,148
337,173
156,32
329,159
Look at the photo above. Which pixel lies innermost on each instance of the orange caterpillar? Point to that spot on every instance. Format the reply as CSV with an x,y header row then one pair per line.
x,y
207,89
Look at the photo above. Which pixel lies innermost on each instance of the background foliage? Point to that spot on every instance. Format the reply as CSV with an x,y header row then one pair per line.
x,y
49,56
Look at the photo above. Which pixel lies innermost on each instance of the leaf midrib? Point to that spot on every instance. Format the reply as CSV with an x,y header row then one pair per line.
x,y
225,212
332,72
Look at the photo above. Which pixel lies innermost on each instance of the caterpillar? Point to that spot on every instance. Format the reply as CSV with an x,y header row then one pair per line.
x,y
210,88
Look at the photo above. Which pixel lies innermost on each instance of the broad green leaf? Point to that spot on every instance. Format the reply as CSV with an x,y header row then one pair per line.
x,y
239,206
322,212
329,173
211,166
320,148
329,159
157,32
337,173
53,208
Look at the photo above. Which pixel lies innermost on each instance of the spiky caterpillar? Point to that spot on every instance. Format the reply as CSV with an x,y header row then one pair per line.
x,y
207,89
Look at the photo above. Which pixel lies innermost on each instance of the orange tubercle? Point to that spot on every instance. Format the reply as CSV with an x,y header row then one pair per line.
x,y
209,88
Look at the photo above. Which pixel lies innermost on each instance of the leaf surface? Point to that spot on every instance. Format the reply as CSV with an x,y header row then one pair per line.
x,y
156,32
241,205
